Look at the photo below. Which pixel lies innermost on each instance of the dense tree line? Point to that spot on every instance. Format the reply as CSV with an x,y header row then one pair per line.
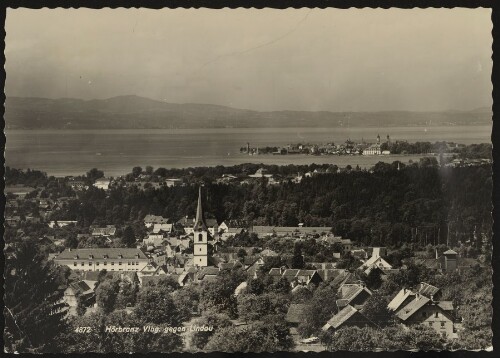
x,y
388,207
29,177
471,151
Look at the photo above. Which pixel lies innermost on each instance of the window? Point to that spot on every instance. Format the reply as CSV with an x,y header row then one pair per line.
x,y
200,248
430,324
128,263
112,264
436,314
105,263
200,237
83,263
442,324
97,263
119,263
90,263
74,263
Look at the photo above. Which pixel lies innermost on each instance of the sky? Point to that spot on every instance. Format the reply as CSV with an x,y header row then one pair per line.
x,y
293,59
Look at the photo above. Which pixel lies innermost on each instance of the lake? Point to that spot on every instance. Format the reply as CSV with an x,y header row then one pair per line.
x,y
74,152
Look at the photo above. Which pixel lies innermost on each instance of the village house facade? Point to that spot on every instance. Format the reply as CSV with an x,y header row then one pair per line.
x,y
110,259
423,306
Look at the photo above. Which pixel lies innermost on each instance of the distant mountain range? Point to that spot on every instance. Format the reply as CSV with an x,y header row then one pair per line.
x,y
129,112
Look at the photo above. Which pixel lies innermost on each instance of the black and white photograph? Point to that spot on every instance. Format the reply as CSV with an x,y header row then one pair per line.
x,y
248,180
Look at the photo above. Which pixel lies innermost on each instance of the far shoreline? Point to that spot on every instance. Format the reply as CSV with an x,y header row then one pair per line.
x,y
373,159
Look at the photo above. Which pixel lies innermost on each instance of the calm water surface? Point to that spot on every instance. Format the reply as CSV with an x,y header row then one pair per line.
x,y
74,152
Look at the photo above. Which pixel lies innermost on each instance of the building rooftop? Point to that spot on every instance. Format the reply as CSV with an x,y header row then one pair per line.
x,y
412,307
101,253
398,300
427,290
341,317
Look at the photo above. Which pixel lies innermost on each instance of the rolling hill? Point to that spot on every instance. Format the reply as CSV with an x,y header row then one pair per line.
x,y
129,112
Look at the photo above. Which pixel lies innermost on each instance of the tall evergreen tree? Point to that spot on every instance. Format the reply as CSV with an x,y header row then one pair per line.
x,y
128,238
298,259
33,311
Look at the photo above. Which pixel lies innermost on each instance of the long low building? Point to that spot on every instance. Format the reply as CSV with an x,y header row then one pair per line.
x,y
110,259
290,230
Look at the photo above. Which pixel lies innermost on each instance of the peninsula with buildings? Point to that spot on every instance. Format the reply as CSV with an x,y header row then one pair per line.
x,y
349,147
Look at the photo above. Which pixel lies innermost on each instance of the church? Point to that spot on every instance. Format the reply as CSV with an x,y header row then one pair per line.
x,y
200,243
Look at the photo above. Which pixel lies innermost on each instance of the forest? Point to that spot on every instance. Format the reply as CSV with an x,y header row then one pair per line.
x,y
421,203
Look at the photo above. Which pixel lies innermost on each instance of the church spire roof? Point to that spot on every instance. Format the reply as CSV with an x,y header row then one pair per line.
x,y
200,220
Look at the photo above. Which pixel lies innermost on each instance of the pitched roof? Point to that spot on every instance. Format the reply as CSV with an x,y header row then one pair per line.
x,y
90,275
306,272
446,305
290,274
351,290
323,265
275,272
162,227
155,219
341,302
295,312
412,307
80,286
262,229
398,300
373,260
329,274
208,271
341,317
185,221
100,253
200,219
427,290
450,252
109,230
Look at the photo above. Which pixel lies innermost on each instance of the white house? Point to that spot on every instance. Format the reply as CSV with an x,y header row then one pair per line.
x,y
154,240
150,220
162,227
376,261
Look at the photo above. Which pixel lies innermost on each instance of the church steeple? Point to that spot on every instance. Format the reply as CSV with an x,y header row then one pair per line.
x,y
200,237
200,220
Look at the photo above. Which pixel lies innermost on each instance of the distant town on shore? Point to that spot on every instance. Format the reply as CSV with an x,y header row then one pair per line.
x,y
349,147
